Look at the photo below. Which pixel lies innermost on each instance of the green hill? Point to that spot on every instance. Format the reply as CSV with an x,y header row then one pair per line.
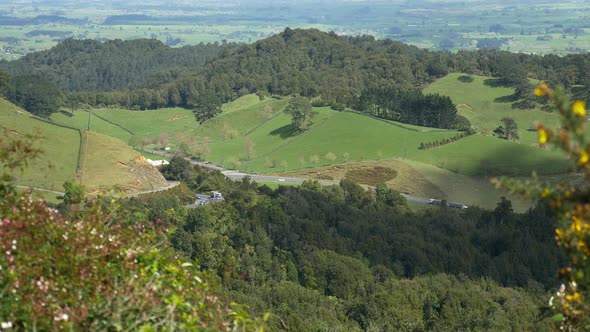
x,y
108,163
60,148
486,105
105,162
125,124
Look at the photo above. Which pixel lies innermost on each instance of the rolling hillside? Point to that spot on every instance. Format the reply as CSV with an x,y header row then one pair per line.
x,y
60,147
103,162
486,105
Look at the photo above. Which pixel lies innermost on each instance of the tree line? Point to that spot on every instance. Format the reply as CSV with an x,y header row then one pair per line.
x,y
334,70
444,141
346,258
413,107
90,65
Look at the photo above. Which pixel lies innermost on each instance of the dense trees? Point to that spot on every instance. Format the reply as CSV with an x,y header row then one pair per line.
x,y
97,268
334,70
35,94
339,256
90,65
409,107
508,130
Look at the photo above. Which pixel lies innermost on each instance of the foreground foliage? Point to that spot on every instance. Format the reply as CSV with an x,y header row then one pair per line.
x,y
95,269
571,204
341,258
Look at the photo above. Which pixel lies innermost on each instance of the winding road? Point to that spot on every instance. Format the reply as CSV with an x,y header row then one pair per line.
x,y
235,175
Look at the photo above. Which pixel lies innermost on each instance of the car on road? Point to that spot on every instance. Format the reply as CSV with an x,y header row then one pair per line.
x,y
201,202
281,180
198,197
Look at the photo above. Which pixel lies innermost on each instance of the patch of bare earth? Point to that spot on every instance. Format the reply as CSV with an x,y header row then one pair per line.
x,y
145,176
176,117
397,174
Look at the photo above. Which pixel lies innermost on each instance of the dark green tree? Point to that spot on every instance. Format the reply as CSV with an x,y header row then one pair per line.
x,y
74,192
301,112
36,95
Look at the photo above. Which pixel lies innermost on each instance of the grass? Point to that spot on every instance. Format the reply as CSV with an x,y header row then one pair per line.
x,y
421,180
105,162
37,194
60,148
482,105
239,117
151,124
81,120
348,136
480,155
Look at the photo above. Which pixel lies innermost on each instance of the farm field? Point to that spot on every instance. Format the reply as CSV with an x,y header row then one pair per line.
x,y
167,123
480,155
480,104
240,117
348,136
106,163
109,163
83,120
152,123
60,148
251,135
518,27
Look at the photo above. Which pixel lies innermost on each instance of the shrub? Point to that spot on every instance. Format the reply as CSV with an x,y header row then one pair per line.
x,y
465,79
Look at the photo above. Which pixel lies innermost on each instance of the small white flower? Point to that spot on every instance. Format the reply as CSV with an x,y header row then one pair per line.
x,y
93,231
551,301
61,317
562,288
6,325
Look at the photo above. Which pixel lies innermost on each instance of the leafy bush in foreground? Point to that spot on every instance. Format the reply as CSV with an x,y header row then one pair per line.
x,y
93,270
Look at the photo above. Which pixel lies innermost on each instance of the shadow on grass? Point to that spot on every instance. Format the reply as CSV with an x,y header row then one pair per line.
x,y
506,99
285,131
493,82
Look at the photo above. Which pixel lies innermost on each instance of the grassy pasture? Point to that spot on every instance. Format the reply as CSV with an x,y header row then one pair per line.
x,y
60,148
480,155
104,164
150,124
80,120
239,117
483,106
348,136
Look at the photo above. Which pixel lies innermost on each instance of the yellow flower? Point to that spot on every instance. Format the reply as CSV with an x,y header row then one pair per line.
x,y
560,233
584,157
579,108
541,90
545,193
577,223
542,135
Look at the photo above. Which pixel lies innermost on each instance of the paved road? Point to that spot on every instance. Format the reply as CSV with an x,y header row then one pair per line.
x,y
235,175
171,184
